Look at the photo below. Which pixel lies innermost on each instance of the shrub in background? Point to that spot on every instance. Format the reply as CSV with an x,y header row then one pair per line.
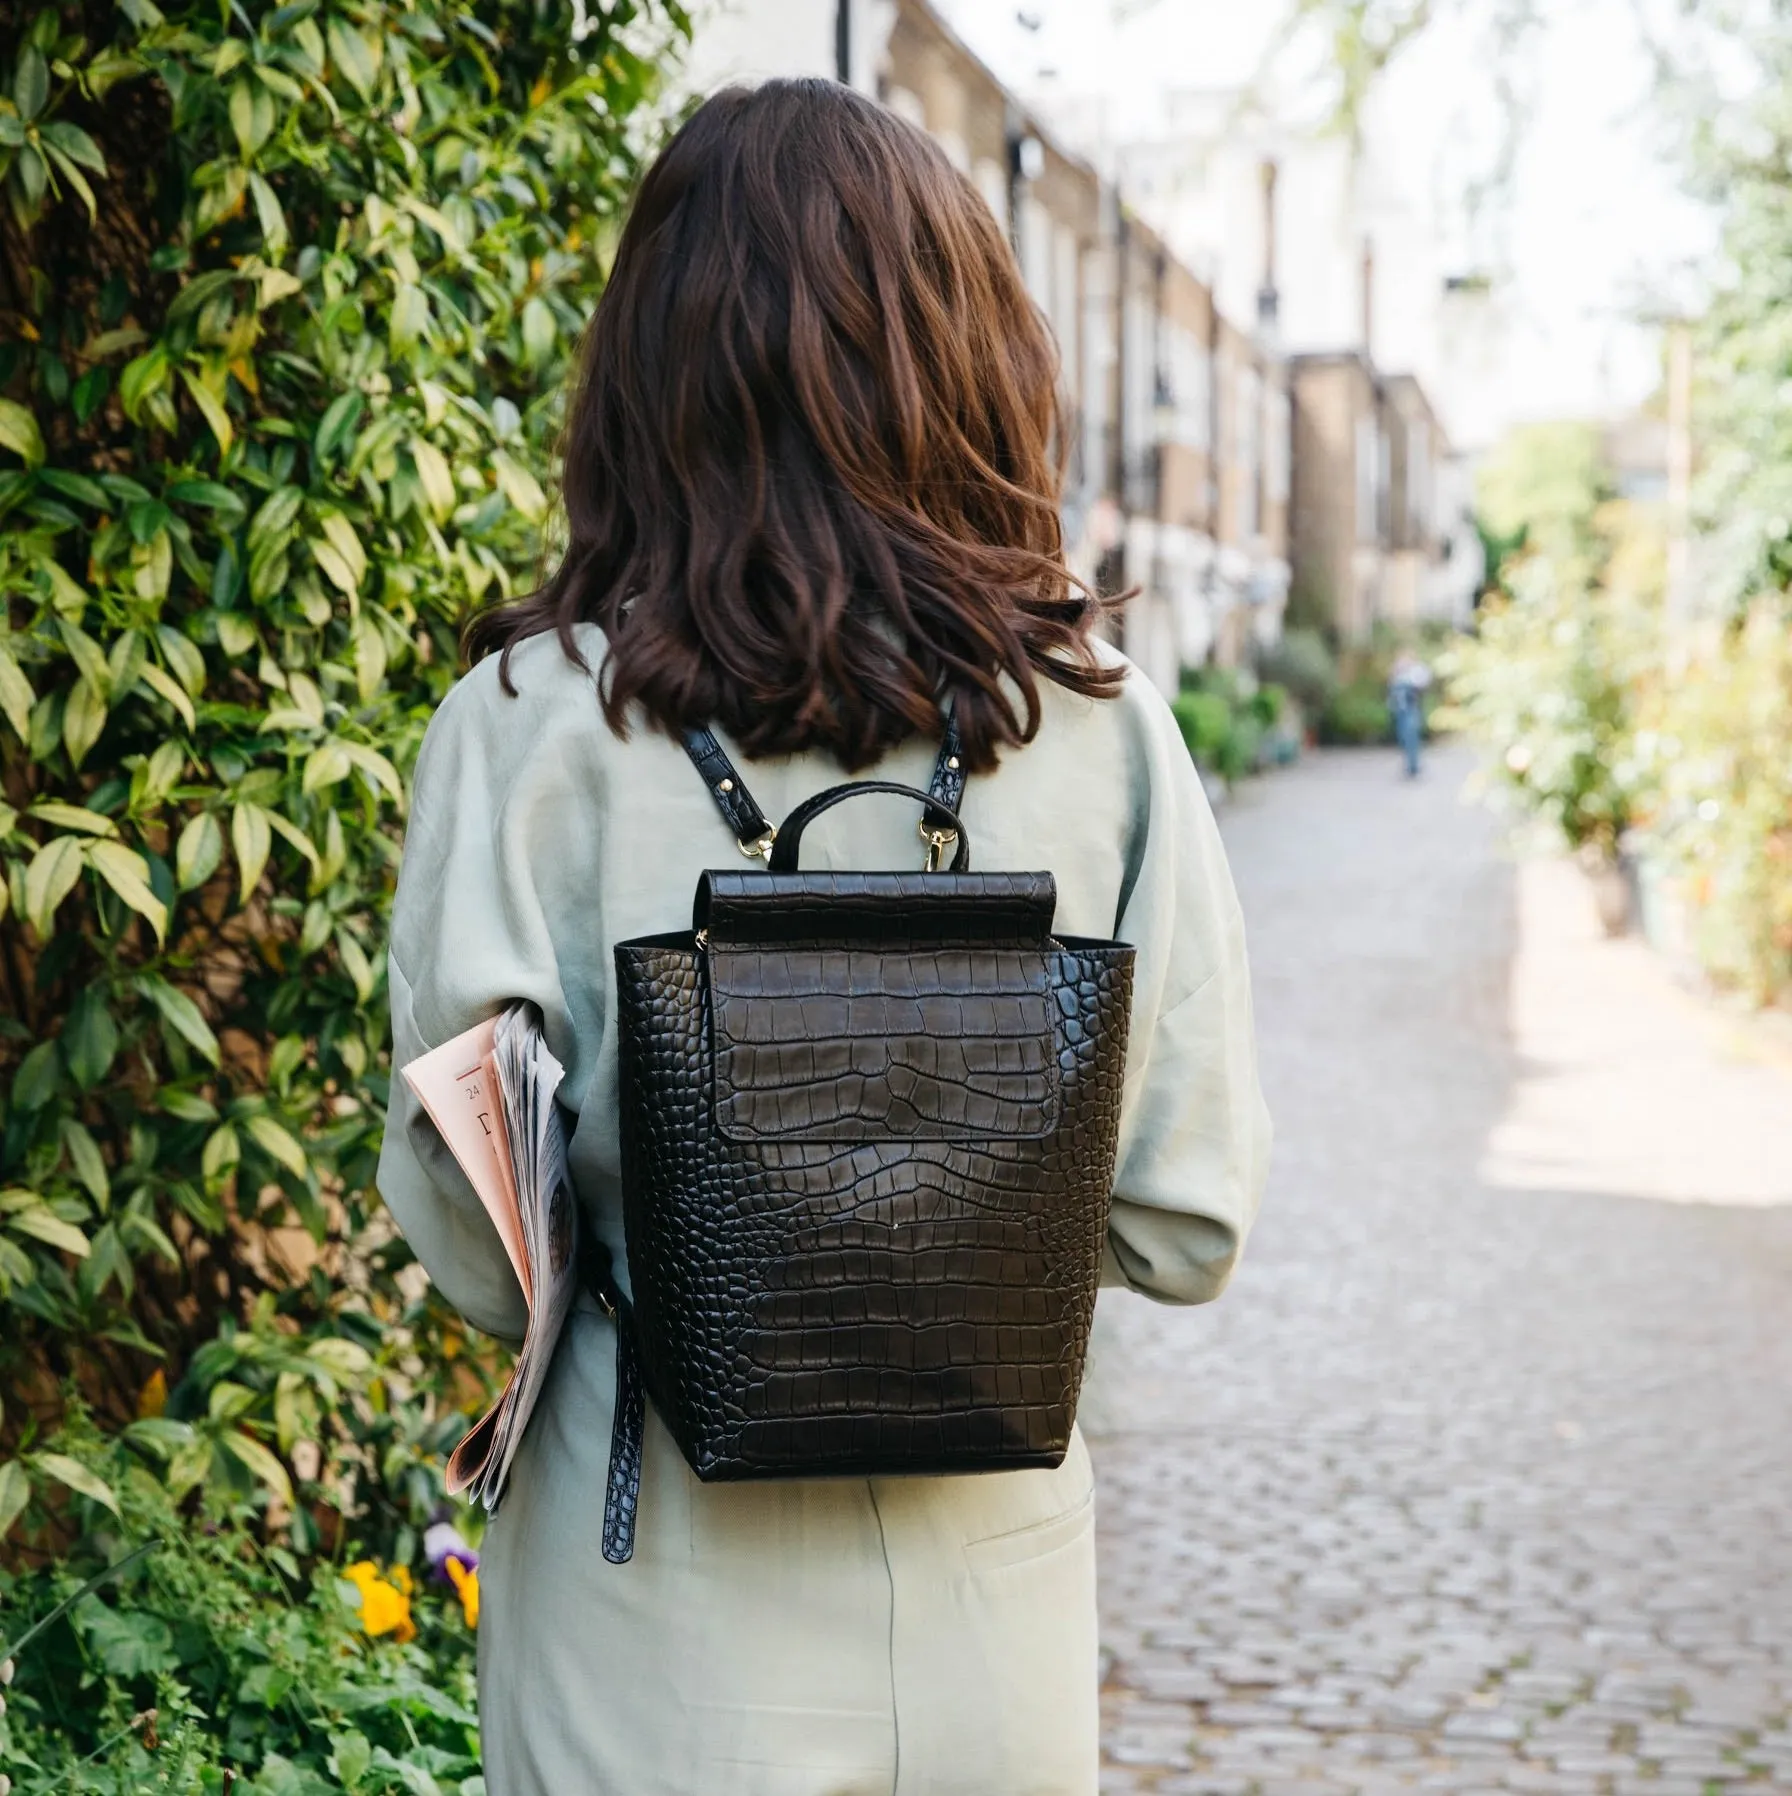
x,y
286,299
1302,662
1356,715
1228,720
1548,686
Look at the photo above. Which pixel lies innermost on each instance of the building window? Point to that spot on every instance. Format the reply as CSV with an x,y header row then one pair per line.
x,y
1368,478
1036,254
1065,304
1418,485
992,182
1278,449
1248,450
1186,396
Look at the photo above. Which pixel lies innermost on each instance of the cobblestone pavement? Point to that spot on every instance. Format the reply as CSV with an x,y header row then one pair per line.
x,y
1460,1488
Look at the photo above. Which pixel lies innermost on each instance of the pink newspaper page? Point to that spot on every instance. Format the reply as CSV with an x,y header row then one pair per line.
x,y
457,1085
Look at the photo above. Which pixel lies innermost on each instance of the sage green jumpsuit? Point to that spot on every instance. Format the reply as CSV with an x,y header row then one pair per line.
x,y
890,1637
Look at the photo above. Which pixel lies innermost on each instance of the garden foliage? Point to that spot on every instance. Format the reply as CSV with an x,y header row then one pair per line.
x,y
1610,708
287,296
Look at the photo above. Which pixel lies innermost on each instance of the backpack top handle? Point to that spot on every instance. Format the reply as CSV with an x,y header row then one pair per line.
x,y
788,842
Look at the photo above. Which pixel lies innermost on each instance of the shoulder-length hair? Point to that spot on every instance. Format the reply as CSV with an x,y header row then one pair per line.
x,y
812,467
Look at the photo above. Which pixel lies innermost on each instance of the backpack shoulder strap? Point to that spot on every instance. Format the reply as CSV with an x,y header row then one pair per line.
x,y
740,810
754,832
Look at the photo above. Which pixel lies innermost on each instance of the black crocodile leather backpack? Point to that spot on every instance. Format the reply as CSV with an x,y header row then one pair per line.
x,y
868,1132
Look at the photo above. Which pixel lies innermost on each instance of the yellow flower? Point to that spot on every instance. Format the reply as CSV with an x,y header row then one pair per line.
x,y
466,1587
385,1602
153,1398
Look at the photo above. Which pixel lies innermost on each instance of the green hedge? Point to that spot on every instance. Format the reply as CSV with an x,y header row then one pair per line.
x,y
287,297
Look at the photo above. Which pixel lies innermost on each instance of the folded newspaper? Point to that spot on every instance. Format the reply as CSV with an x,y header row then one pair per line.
x,y
491,1093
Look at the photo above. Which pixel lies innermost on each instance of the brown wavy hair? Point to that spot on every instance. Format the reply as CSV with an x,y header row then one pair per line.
x,y
812,467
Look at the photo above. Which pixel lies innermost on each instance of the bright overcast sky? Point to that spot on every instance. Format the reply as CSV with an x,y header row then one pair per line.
x,y
1589,231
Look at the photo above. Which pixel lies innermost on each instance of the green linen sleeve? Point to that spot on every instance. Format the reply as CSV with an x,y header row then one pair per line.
x,y
1194,1148
468,938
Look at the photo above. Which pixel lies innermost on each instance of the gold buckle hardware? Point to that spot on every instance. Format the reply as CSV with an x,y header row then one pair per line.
x,y
760,850
937,841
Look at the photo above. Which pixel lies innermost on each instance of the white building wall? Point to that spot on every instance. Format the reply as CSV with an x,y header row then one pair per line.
x,y
750,40
753,40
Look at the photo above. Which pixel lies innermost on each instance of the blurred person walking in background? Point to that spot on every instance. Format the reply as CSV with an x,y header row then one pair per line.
x,y
1408,681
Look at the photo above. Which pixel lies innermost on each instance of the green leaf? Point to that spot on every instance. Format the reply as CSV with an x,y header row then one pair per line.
x,y
180,1013
409,323
268,215
370,658
377,768
71,816
67,594
187,1106
43,1224
124,662
128,1643
242,116
49,879
337,571
77,487
89,1164
34,1084
222,1151
75,144
201,289
356,964
127,873
87,656
210,495
142,378
251,839
20,434
183,657
277,1144
324,766
289,831
260,1461
351,1755
89,1038
73,176
434,476
15,1493
198,852
16,696
211,408
519,486
83,720
345,1361
30,82
346,543
540,332
236,635
77,1477
337,428
275,516
162,683
357,58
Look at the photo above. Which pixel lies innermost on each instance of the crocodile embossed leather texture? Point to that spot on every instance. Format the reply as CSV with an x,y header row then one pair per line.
x,y
868,1138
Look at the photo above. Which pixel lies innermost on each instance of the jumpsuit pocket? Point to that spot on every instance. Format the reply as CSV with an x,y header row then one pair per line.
x,y
1035,1541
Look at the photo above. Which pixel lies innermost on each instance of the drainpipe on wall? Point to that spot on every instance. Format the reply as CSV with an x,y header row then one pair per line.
x,y
843,42
1115,570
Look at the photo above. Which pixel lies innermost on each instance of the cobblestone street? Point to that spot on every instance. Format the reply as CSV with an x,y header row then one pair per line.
x,y
1468,1484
